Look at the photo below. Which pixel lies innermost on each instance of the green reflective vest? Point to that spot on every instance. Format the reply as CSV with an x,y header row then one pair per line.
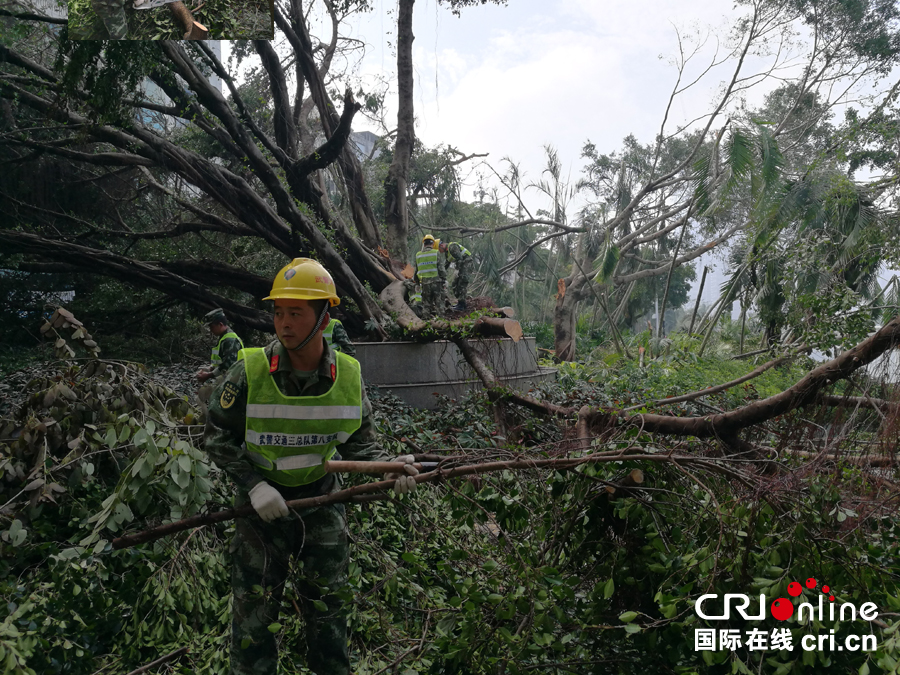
x,y
215,358
282,431
427,264
463,252
328,333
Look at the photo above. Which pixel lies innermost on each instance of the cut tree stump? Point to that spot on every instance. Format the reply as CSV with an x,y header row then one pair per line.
x,y
193,30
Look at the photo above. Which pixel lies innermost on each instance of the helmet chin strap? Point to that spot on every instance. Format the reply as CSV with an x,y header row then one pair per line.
x,y
314,331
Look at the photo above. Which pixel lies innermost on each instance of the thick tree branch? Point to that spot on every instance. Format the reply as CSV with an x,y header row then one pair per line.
x,y
726,425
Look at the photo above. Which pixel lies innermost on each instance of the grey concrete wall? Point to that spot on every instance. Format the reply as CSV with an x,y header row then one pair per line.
x,y
416,372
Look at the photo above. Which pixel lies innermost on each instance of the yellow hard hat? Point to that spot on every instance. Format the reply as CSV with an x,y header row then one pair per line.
x,y
427,237
304,279
437,244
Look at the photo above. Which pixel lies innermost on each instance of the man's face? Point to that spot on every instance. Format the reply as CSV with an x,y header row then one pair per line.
x,y
442,247
217,328
294,319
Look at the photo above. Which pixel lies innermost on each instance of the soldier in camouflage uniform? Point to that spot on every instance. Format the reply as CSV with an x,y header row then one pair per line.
x,y
462,258
432,274
336,336
413,296
299,365
112,14
223,356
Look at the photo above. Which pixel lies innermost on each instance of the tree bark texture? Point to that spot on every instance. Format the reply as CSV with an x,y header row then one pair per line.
x,y
392,297
396,217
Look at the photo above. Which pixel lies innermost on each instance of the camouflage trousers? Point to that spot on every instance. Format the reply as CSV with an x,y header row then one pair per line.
x,y
432,297
112,14
261,554
461,282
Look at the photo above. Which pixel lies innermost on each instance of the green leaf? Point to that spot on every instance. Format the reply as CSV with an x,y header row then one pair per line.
x,y
274,627
185,462
111,438
320,605
137,466
632,628
864,668
609,588
627,617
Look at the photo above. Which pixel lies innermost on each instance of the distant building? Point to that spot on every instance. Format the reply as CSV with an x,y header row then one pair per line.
x,y
152,93
365,144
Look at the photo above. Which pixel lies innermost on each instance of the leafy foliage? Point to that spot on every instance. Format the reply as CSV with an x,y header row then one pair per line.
x,y
540,570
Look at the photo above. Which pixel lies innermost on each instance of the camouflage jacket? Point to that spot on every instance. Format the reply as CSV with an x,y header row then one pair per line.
x,y
226,421
340,339
228,352
456,253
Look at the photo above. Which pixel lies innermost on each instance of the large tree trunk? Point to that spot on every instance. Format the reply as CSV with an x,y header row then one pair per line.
x,y
570,291
396,217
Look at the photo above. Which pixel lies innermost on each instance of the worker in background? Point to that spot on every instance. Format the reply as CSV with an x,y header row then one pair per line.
x,y
277,406
412,294
336,336
224,354
462,258
432,274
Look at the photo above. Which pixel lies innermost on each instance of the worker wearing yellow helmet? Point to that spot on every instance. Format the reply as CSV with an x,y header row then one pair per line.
x,y
280,413
431,272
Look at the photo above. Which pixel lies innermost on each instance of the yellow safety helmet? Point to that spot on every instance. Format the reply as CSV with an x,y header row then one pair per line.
x,y
437,244
427,237
304,279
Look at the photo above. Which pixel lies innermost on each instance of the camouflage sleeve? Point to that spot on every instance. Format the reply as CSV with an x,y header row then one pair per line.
x,y
223,437
442,266
341,340
363,445
229,353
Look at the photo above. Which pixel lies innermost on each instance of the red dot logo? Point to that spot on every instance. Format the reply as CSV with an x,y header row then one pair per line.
x,y
825,589
782,609
794,589
811,583
831,598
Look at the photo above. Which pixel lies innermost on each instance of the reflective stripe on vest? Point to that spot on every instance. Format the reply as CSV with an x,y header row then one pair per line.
x,y
427,264
281,430
328,333
215,358
464,253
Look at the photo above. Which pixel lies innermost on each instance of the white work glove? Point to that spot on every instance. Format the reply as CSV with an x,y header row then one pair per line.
x,y
268,502
404,482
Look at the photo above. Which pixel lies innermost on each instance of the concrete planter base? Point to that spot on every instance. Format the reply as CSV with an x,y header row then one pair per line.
x,y
417,372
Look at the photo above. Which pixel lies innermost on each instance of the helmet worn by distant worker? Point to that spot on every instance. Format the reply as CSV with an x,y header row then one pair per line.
x,y
427,237
215,316
304,279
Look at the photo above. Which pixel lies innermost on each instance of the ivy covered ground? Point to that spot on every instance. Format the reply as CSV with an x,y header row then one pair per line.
x,y
536,571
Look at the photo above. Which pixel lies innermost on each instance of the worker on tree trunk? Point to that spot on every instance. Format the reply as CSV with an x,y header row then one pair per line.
x,y
462,258
277,406
432,274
